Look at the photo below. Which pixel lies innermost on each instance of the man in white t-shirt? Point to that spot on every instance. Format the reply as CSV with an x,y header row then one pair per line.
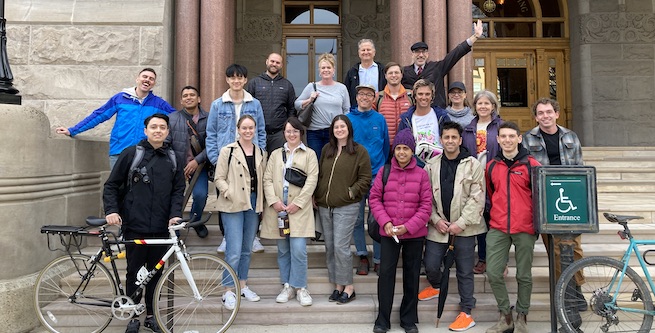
x,y
424,120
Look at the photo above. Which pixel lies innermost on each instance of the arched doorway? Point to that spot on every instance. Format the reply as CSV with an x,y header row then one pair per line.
x,y
524,57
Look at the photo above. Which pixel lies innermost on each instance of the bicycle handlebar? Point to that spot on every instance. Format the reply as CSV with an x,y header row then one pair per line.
x,y
94,221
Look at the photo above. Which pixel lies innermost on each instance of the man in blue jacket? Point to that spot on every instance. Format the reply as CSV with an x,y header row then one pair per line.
x,y
131,107
370,130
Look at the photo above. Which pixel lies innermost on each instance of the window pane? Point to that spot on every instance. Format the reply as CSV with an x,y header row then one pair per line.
x,y
513,87
299,76
552,80
326,46
326,15
550,8
297,46
514,30
552,29
296,14
503,8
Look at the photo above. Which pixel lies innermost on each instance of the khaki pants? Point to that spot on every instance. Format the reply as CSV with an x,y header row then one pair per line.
x,y
577,254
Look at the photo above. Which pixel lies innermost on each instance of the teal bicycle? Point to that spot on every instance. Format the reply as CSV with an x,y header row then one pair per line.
x,y
618,298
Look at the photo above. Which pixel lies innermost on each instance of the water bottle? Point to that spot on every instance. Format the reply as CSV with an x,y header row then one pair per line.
x,y
283,223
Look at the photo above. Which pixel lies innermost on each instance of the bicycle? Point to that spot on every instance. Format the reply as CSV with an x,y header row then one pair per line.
x,y
619,300
76,287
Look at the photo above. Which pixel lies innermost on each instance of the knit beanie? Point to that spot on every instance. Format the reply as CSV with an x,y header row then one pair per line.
x,y
404,137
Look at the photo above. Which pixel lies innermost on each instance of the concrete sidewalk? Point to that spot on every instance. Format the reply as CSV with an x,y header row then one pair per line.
x,y
536,327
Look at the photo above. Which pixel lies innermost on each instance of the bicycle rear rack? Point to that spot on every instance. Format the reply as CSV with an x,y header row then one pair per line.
x,y
70,237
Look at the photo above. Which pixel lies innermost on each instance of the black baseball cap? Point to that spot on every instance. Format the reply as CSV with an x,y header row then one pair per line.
x,y
457,85
419,45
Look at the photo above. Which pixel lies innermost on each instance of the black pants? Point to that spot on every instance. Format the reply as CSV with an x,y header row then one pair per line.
x,y
412,250
138,256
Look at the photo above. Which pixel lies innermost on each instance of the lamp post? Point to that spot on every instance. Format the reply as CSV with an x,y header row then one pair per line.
x,y
8,94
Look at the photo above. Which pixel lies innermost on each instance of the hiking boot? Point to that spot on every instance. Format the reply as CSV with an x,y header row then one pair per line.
x,y
133,326
362,269
504,324
521,323
257,246
480,267
249,295
462,323
151,323
285,294
303,297
428,293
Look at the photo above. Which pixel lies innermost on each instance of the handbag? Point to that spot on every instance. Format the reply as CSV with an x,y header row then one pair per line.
x,y
305,115
293,175
373,226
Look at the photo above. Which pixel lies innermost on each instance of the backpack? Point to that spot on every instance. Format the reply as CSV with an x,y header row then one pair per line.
x,y
381,96
373,226
138,158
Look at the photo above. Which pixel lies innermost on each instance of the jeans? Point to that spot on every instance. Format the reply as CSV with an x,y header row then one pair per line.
x,y
316,139
498,244
112,161
482,240
292,260
200,191
464,262
240,230
359,234
411,252
338,224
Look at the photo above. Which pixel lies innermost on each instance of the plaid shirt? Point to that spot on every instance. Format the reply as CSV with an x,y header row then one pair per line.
x,y
570,149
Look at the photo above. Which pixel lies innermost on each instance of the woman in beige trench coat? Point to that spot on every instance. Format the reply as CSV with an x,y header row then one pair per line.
x,y
292,248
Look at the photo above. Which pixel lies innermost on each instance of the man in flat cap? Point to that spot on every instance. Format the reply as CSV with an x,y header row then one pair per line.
x,y
435,71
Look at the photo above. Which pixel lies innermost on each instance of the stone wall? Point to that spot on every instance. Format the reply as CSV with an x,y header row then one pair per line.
x,y
69,57
613,71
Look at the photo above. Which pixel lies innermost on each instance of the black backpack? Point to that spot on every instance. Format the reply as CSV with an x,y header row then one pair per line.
x,y
135,171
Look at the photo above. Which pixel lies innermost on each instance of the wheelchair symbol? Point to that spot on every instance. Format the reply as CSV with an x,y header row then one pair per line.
x,y
565,202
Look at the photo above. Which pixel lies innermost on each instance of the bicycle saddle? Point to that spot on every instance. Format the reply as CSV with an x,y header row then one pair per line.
x,y
621,218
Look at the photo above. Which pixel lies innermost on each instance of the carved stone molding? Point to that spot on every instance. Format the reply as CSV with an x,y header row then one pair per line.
x,y
375,27
617,28
262,28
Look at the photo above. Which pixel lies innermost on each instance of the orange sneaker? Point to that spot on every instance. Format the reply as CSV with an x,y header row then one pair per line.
x,y
428,293
462,323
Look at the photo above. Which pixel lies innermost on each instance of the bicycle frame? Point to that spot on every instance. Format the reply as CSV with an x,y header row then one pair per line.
x,y
632,248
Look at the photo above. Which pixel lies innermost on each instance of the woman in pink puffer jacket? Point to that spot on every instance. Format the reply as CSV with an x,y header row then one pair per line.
x,y
402,208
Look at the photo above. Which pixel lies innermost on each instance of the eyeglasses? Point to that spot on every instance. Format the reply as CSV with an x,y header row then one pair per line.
x,y
291,132
369,95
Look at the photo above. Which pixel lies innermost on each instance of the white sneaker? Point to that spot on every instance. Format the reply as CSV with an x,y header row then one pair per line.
x,y
257,246
285,294
229,300
221,248
249,294
303,297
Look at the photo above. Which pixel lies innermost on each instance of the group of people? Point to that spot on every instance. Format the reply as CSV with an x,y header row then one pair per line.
x,y
436,173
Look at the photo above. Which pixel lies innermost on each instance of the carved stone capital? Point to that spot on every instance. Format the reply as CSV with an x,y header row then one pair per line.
x,y
618,27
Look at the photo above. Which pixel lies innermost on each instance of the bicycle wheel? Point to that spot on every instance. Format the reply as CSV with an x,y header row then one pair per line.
x,y
177,309
601,314
61,309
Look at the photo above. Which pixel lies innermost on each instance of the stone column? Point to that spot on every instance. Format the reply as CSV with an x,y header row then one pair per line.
x,y
435,28
459,29
187,46
216,47
406,28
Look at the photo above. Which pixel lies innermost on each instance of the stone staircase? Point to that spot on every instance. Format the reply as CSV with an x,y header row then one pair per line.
x,y
626,185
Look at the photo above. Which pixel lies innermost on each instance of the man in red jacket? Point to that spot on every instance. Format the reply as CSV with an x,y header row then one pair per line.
x,y
510,188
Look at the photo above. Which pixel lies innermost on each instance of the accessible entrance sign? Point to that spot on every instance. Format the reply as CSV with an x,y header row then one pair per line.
x,y
564,198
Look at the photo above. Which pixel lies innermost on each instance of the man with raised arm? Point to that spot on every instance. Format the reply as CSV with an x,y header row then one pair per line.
x,y
131,107
144,201
435,71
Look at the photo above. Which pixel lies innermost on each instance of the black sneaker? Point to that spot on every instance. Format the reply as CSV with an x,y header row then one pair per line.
x,y
151,323
133,326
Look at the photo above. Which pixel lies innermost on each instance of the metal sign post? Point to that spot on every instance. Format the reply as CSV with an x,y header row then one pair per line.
x,y
565,205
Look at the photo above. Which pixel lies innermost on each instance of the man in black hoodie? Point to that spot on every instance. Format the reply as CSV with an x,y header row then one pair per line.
x,y
276,94
144,203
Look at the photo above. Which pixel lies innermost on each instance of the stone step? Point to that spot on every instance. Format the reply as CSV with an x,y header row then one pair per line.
x,y
626,186
590,153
